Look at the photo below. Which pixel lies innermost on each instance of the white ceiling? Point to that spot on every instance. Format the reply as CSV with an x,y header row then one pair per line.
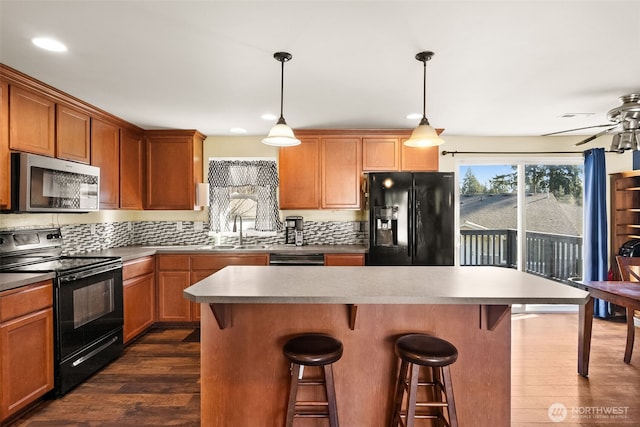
x,y
500,68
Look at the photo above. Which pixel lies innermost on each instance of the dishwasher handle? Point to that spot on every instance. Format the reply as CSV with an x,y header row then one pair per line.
x,y
296,259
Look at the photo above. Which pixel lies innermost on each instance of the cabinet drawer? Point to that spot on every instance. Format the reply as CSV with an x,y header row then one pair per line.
x,y
174,262
137,267
27,299
216,262
344,259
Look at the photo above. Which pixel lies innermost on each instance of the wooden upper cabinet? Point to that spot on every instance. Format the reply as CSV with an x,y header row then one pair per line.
x,y
173,168
5,161
105,153
416,159
131,169
386,153
380,154
341,171
31,122
299,175
73,134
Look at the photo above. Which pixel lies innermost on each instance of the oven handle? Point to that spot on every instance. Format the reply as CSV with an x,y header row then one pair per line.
x,y
87,273
93,352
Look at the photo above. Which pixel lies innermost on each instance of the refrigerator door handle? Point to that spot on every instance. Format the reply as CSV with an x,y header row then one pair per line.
x,y
410,222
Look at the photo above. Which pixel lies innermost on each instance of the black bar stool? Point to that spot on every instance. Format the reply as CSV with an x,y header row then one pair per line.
x,y
416,350
312,350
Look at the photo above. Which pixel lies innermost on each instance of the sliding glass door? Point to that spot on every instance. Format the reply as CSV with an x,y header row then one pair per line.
x,y
522,214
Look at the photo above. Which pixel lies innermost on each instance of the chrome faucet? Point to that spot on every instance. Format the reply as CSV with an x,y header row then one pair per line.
x,y
235,217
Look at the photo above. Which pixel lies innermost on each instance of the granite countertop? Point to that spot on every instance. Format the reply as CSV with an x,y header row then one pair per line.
x,y
380,285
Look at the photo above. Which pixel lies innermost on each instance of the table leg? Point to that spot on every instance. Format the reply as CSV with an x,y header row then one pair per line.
x,y
584,337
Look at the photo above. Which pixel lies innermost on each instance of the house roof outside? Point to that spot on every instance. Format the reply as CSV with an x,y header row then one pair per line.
x,y
544,213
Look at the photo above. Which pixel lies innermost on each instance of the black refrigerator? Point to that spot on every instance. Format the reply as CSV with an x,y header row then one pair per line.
x,y
411,218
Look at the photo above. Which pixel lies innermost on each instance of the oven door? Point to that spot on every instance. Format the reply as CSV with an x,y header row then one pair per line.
x,y
88,307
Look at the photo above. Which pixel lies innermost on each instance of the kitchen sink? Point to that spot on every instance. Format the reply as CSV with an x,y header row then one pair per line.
x,y
215,247
230,247
251,247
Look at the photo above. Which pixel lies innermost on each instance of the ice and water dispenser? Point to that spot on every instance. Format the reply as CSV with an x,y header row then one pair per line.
x,y
386,225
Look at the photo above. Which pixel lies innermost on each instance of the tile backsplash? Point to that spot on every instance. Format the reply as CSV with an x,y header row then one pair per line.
x,y
81,238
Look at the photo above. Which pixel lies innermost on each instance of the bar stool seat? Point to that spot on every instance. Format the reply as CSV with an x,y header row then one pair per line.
x,y
312,350
436,354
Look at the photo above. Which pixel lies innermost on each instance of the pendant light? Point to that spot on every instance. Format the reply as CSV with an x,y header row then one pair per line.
x,y
424,135
281,135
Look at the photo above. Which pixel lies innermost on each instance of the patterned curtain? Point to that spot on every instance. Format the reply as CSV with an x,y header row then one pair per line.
x,y
257,179
595,223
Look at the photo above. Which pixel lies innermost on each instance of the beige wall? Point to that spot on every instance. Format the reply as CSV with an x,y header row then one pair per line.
x,y
250,146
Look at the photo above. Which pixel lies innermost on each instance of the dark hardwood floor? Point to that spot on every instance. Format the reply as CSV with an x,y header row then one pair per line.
x,y
156,381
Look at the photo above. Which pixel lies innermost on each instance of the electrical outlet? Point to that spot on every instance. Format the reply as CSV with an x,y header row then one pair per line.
x,y
179,225
129,226
198,226
92,227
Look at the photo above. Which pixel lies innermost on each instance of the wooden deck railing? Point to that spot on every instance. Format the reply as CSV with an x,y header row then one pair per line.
x,y
555,256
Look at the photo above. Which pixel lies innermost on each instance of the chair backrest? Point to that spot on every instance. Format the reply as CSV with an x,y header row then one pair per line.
x,y
629,268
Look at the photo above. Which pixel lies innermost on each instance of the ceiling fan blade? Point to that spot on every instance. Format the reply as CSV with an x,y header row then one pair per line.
x,y
597,135
571,130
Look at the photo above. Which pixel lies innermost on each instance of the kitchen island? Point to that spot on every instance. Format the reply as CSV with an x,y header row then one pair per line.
x,y
249,312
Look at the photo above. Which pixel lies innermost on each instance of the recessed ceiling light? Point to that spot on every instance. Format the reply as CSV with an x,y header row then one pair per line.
x,y
269,116
237,130
414,116
49,44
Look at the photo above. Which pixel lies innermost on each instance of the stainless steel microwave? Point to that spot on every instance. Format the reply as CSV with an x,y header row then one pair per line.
x,y
45,184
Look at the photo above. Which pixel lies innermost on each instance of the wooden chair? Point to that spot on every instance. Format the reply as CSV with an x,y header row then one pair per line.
x,y
629,269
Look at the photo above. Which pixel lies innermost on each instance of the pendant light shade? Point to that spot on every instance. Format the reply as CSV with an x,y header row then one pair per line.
x,y
281,135
424,135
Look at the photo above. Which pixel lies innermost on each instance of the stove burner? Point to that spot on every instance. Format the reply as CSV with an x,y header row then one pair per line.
x,y
65,264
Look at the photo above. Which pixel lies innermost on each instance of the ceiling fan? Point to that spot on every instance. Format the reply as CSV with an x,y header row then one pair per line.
x,y
625,125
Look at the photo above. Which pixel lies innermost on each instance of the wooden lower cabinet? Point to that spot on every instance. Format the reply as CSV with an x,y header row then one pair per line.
x,y
344,259
172,306
139,296
178,272
26,346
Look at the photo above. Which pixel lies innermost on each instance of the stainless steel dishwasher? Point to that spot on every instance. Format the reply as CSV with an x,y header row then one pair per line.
x,y
296,259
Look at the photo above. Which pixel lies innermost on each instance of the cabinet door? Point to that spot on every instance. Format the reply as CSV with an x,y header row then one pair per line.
x,y
131,169
380,154
31,122
341,172
415,159
27,360
344,259
139,300
170,173
172,306
299,175
5,162
73,134
105,153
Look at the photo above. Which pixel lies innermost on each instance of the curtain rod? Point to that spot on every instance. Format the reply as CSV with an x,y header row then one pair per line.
x,y
453,153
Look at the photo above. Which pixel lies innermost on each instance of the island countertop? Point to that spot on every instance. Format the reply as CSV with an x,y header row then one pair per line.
x,y
248,313
379,285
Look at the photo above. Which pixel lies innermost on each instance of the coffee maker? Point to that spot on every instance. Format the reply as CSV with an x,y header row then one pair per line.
x,y
293,234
